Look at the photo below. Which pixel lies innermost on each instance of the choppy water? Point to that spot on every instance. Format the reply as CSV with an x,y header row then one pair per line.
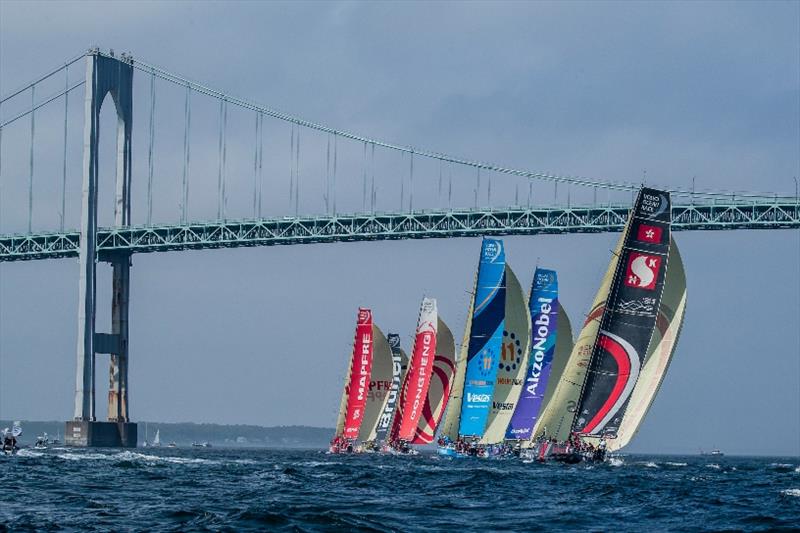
x,y
212,489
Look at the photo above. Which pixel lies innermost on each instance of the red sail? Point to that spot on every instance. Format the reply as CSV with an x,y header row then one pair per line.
x,y
360,369
418,376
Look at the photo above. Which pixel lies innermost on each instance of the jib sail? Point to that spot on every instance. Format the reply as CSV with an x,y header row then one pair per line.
x,y
354,397
513,361
418,376
544,310
485,338
399,364
627,323
444,369
379,384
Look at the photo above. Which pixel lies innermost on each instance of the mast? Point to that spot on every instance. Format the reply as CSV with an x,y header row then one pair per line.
x,y
628,320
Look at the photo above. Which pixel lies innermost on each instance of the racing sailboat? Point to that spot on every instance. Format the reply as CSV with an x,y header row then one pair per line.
x,y
354,396
417,379
470,399
514,353
662,348
546,318
441,381
628,319
390,404
379,384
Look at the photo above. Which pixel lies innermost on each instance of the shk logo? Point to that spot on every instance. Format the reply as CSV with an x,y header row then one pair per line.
x,y
642,271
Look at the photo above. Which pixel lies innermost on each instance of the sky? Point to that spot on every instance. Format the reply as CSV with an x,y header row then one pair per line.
x,y
669,94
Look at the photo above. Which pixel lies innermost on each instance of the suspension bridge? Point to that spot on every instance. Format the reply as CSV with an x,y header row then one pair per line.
x,y
241,198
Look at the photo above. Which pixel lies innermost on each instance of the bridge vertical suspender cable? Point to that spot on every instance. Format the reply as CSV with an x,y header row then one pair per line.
x,y
150,148
327,194
260,161
411,185
477,186
255,169
30,176
219,163
335,165
364,179
297,176
224,160
372,171
291,167
187,123
64,167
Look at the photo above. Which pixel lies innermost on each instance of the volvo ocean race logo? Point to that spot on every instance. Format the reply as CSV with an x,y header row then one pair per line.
x,y
653,205
492,250
642,271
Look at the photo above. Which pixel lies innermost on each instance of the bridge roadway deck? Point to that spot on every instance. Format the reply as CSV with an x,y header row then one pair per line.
x,y
761,214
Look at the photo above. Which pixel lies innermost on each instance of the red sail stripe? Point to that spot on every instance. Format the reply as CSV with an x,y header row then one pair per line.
x,y
422,436
624,371
360,371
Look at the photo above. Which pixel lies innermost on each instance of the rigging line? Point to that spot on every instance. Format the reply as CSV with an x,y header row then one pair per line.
x,y
42,78
219,163
187,123
585,182
64,159
39,105
150,150
30,177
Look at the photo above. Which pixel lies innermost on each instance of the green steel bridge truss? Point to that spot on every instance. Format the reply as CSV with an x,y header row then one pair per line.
x,y
780,213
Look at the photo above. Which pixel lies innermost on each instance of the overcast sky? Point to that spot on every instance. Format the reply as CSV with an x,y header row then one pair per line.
x,y
654,92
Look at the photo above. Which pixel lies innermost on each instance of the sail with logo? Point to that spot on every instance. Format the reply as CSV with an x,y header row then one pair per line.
x,y
418,376
441,381
354,396
659,355
627,323
470,399
513,362
389,407
544,314
379,385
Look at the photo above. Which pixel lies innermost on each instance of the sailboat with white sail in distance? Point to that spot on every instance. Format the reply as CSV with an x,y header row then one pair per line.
x,y
354,395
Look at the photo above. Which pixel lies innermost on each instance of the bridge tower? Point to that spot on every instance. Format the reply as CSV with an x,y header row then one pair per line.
x,y
104,76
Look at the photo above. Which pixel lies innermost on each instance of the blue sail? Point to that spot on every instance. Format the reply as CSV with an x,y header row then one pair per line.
x,y
544,317
486,335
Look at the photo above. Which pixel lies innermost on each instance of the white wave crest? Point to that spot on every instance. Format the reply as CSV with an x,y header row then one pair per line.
x,y
781,465
650,464
791,492
676,464
29,453
797,469
616,461
715,466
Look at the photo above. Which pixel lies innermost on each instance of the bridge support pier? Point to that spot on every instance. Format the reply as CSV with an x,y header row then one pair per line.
x,y
104,75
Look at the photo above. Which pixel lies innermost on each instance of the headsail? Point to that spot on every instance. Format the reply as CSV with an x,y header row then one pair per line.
x,y
452,418
444,368
399,364
544,313
354,398
629,318
418,376
486,332
513,364
659,355
379,384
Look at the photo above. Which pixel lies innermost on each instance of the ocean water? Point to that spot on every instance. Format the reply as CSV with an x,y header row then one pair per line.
x,y
285,490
